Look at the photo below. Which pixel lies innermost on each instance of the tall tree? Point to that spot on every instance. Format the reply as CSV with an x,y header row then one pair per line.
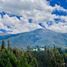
x,y
8,44
3,44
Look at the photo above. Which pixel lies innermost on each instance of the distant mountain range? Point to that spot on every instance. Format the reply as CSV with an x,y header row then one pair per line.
x,y
39,37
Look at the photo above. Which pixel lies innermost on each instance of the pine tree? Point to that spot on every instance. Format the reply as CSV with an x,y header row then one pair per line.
x,y
3,44
8,44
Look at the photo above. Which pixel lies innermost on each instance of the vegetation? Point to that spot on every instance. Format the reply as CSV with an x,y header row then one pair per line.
x,y
49,57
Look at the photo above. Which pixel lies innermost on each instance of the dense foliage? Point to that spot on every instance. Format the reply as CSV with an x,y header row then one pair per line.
x,y
49,57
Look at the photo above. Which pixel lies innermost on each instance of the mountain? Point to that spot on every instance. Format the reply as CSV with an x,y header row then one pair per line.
x,y
39,37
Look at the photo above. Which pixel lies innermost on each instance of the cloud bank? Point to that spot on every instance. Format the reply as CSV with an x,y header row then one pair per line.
x,y
39,11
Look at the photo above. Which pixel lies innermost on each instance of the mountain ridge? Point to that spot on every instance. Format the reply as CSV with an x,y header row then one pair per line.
x,y
39,37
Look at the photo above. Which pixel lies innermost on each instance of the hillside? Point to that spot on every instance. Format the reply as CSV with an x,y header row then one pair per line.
x,y
39,37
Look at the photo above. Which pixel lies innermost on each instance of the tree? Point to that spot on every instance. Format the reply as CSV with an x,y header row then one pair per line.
x,y
7,59
8,44
3,44
57,58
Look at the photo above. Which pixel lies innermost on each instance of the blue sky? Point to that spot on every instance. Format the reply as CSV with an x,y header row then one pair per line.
x,y
28,15
62,3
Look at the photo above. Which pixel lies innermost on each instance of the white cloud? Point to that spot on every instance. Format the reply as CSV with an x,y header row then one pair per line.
x,y
14,25
58,7
13,6
61,27
39,10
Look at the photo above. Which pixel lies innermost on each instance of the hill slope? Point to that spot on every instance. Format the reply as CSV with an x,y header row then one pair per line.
x,y
39,37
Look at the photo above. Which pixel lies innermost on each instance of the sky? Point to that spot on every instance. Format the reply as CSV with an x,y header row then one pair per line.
x,y
27,15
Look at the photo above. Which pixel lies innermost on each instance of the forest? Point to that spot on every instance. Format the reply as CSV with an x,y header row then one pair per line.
x,y
16,57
